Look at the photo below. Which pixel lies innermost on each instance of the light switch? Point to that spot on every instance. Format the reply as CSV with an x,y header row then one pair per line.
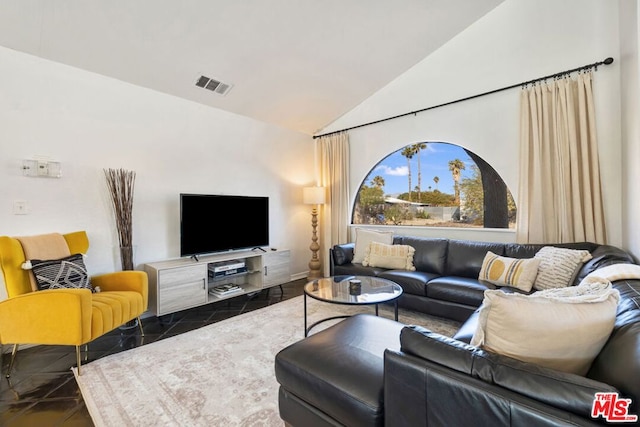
x,y
41,168
20,207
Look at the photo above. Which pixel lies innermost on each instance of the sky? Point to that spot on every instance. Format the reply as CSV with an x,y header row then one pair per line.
x,y
434,162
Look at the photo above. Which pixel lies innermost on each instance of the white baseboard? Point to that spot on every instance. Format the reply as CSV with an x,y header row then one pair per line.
x,y
299,276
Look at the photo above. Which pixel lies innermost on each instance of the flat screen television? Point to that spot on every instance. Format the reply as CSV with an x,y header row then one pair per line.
x,y
215,223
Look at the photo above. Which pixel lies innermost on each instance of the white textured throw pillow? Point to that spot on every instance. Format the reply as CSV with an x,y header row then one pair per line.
x,y
399,257
364,237
562,329
558,267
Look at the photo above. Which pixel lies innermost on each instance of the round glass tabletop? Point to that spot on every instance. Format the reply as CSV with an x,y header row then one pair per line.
x,y
347,290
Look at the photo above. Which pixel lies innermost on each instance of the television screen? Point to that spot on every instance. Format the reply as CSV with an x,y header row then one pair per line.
x,y
214,223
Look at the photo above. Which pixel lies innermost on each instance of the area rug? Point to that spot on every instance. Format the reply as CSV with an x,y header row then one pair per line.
x,y
219,375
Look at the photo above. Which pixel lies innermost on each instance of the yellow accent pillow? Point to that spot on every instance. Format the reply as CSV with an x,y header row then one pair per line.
x,y
397,257
514,272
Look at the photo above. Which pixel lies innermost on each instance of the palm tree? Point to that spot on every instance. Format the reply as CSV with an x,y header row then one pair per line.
x,y
455,166
417,148
377,181
408,152
436,180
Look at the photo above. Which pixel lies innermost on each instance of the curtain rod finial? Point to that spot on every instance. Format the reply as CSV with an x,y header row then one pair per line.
x,y
608,61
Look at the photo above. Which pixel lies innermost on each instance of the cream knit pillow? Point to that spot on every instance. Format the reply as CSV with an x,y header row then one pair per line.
x,y
364,237
562,329
398,257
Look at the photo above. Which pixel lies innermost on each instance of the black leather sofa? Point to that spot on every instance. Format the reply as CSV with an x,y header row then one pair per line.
x,y
445,282
371,371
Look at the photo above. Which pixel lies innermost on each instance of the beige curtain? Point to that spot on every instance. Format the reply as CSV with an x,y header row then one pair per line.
x,y
333,159
559,197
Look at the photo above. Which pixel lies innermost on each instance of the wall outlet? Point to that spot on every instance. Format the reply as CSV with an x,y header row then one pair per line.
x,y
20,207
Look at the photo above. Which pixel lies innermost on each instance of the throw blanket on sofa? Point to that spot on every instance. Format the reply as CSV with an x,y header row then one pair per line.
x,y
612,273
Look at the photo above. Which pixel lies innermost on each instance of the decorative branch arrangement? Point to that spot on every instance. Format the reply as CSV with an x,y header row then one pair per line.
x,y
120,183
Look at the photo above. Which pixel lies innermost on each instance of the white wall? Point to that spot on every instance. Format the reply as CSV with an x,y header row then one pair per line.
x,y
89,122
630,89
519,40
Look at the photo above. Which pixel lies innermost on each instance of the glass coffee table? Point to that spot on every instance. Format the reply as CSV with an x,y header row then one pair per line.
x,y
351,290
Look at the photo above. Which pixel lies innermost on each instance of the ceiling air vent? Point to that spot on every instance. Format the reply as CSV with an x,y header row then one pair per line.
x,y
214,85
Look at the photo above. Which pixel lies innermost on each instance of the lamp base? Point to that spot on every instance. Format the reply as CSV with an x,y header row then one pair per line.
x,y
314,275
314,264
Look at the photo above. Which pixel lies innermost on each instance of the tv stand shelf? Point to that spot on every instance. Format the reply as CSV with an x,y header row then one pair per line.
x,y
184,283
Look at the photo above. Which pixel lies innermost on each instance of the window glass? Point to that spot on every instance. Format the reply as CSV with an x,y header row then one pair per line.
x,y
434,184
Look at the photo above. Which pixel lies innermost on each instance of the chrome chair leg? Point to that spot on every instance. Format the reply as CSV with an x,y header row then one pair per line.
x,y
13,358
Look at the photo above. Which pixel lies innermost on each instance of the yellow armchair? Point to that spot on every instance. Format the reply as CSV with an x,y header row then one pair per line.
x,y
65,316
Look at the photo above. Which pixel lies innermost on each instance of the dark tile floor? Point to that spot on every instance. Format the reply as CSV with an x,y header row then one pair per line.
x,y
42,390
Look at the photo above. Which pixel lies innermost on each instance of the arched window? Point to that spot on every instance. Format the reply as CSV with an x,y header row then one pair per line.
x,y
434,184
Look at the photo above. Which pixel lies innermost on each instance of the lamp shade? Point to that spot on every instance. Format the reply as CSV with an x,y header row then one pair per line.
x,y
314,195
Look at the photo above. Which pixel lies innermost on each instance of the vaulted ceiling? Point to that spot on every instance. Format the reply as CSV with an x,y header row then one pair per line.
x,y
299,64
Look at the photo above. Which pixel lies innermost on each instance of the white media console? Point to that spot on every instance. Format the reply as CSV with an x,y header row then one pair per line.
x,y
183,283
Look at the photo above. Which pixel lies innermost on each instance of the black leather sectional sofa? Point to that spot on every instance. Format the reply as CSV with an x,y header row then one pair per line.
x,y
445,282
371,371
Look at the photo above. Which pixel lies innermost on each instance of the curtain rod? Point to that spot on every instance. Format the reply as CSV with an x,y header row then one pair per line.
x,y
523,84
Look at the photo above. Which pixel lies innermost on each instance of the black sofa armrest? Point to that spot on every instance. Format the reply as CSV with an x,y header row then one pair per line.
x,y
619,360
421,393
564,391
343,254
340,255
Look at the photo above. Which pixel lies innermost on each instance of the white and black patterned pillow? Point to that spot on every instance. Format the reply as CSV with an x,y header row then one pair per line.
x,y
68,272
558,267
